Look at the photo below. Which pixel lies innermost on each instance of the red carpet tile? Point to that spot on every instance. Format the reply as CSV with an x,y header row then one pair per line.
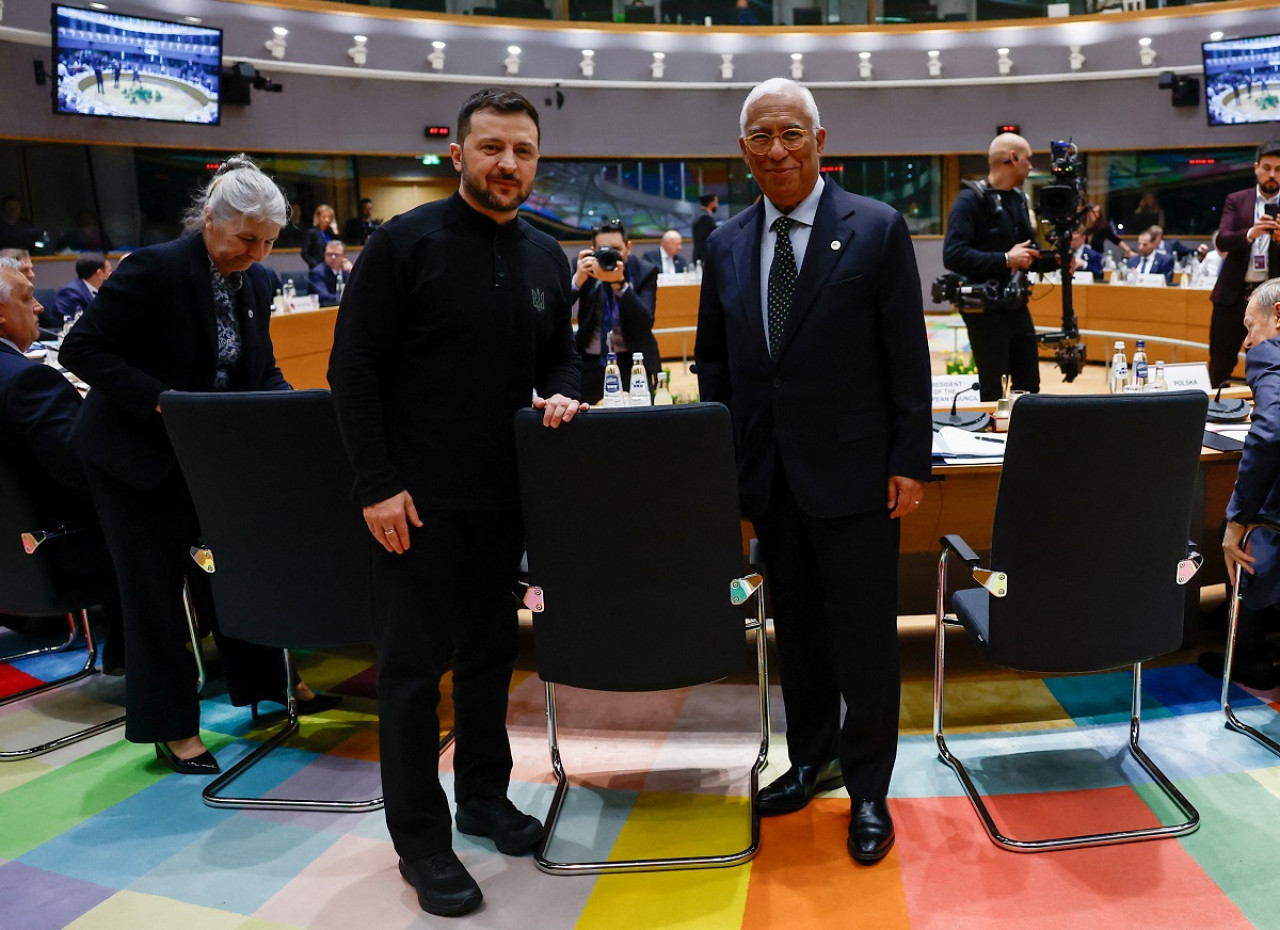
x,y
12,681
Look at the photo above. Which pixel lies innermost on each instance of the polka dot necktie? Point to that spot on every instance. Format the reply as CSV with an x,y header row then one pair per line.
x,y
782,281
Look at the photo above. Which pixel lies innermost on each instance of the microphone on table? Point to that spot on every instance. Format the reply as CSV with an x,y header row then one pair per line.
x,y
972,422
1226,411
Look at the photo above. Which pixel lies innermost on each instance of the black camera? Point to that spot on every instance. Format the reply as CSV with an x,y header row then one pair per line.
x,y
608,257
989,295
1063,201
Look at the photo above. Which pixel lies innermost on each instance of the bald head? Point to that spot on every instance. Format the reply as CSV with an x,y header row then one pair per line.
x,y
1004,146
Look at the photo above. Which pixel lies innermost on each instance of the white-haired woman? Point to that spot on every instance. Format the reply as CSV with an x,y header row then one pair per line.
x,y
188,315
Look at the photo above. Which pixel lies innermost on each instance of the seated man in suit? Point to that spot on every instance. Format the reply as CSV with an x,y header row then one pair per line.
x,y
667,256
1086,259
615,307
331,274
92,269
1149,261
37,408
1179,250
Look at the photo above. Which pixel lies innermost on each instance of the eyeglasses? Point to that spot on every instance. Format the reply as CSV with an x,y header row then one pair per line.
x,y
759,143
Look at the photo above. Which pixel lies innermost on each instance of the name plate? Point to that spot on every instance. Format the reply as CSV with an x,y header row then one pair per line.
x,y
946,386
1187,376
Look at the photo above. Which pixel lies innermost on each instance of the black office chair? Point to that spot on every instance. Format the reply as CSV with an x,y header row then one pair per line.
x,y
1089,554
286,548
1238,596
638,596
29,586
301,282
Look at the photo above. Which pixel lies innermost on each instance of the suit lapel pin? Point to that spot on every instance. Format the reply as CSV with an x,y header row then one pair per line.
x,y
835,245
251,314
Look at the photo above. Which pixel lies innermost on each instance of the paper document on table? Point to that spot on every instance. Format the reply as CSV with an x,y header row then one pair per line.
x,y
953,444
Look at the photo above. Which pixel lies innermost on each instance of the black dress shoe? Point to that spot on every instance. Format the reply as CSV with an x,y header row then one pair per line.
x,y
511,830
203,764
444,885
312,705
870,830
796,786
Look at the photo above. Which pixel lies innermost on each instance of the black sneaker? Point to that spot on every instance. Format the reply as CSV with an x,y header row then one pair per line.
x,y
512,831
444,885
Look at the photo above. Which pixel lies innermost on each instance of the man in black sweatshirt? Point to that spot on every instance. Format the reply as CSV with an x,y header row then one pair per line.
x,y
456,312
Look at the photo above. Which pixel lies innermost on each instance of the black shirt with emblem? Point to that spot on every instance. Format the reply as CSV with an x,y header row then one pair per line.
x,y
448,325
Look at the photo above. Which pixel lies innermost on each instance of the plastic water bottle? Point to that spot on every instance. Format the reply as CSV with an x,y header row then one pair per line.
x,y
1158,383
277,303
613,396
340,284
290,293
1140,364
639,392
1119,369
662,397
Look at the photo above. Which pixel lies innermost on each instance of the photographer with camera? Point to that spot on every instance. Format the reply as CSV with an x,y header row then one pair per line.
x,y
990,239
1249,239
615,295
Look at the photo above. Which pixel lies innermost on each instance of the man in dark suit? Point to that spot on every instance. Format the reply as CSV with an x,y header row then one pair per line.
x,y
37,409
1087,259
1149,261
92,268
334,272
666,258
1249,238
811,329
358,229
704,225
615,310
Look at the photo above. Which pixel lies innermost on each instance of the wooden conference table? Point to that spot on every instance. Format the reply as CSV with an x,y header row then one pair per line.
x,y
962,499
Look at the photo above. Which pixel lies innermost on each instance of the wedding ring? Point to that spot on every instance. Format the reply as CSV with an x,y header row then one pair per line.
x,y
390,532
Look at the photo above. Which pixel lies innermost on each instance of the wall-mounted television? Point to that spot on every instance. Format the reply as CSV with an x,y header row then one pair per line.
x,y
129,67
1242,80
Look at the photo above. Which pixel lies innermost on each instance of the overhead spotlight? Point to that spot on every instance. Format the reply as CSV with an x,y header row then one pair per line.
x,y
1216,35
359,53
1076,59
935,63
658,67
864,65
797,66
276,45
512,61
588,63
437,55
1003,61
726,66
1146,54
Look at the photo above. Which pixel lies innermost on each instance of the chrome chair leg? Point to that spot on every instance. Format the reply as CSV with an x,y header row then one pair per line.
x,y
87,669
1228,663
754,587
193,630
72,630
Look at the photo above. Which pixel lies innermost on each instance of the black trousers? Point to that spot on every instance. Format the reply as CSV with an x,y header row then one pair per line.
x,y
149,534
833,583
1226,336
1004,343
445,602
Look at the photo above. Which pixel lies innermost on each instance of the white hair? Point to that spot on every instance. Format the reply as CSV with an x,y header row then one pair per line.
x,y
6,286
239,190
1266,295
779,86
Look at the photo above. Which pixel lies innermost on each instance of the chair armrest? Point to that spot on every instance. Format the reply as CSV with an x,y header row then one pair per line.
x,y
956,544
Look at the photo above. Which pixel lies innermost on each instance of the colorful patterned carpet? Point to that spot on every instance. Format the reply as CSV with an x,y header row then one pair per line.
x,y
98,835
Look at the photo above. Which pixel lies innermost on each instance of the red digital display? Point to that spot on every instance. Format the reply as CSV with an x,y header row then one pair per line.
x,y
1009,127
437,132
1202,161
831,169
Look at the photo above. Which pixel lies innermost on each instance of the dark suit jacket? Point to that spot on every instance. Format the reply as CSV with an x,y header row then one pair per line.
x,y
654,257
324,283
72,299
152,329
313,243
635,310
1092,262
1161,263
37,409
703,227
846,401
1233,241
1257,490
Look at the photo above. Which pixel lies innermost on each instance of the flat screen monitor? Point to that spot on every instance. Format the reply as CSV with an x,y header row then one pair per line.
x,y
1242,80
128,67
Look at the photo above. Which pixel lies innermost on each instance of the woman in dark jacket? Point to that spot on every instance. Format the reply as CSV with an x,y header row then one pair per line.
x,y
323,230
187,315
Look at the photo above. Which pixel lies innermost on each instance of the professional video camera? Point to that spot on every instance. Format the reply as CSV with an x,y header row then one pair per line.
x,y
1062,206
608,257
989,295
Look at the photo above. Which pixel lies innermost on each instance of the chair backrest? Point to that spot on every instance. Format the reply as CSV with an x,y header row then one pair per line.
x,y
27,584
631,525
47,297
300,279
1092,517
272,487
